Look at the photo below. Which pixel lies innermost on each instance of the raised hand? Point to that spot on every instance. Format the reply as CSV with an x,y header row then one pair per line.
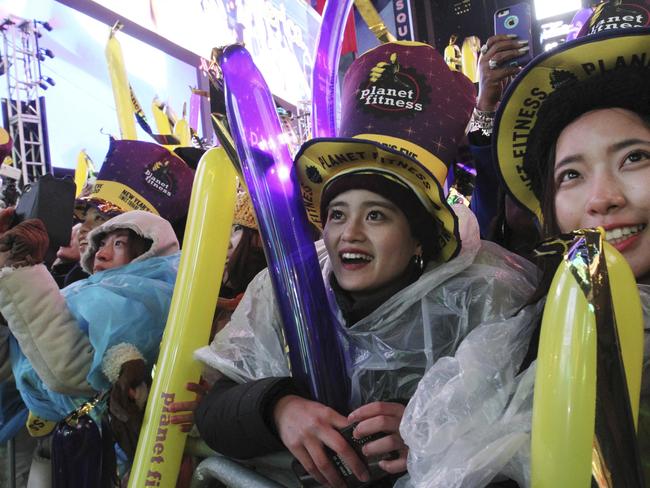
x,y
6,218
494,70
24,244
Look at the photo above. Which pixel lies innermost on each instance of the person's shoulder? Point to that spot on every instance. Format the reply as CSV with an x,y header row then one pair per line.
x,y
260,285
496,267
498,258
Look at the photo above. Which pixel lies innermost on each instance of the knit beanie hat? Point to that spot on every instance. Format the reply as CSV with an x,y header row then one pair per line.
x,y
244,215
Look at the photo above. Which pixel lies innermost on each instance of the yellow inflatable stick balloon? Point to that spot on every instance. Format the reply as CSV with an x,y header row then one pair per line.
x,y
207,235
159,115
469,54
564,406
83,170
120,84
182,132
629,321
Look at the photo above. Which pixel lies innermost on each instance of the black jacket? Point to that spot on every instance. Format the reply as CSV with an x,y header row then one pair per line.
x,y
237,419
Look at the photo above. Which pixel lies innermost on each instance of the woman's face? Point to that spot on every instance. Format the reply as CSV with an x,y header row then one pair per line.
x,y
92,219
71,252
602,178
368,240
114,251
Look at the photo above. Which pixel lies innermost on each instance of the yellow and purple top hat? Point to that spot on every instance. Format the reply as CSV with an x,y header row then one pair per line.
x,y
607,65
403,115
139,175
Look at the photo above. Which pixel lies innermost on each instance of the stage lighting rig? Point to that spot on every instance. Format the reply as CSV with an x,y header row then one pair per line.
x,y
46,25
42,53
6,23
24,104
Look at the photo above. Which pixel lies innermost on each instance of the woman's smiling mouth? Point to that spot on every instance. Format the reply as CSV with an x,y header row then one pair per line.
x,y
625,236
354,260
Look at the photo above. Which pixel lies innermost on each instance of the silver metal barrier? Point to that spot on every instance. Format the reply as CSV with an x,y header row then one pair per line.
x,y
230,473
11,461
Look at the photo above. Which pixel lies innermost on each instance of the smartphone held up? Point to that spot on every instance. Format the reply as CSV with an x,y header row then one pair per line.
x,y
516,20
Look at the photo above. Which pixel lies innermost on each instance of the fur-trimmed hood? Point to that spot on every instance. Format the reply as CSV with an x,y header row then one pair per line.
x,y
144,224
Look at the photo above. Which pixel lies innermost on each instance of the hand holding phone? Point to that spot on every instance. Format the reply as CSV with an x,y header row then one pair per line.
x,y
351,481
516,22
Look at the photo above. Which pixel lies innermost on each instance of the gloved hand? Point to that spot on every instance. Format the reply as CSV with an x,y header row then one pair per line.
x,y
127,403
24,245
6,218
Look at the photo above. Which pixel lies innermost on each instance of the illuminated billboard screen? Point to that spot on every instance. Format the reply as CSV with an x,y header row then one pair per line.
x,y
280,35
551,8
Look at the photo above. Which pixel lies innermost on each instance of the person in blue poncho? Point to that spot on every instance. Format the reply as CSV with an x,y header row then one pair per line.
x,y
97,334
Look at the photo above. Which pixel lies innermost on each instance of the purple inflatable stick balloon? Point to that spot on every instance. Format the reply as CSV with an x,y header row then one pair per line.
x,y
195,104
315,353
579,19
325,74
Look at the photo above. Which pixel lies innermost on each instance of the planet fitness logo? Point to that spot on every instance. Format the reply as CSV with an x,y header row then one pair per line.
x,y
158,176
393,90
623,16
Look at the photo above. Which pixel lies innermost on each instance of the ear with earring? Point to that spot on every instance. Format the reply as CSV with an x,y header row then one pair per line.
x,y
419,261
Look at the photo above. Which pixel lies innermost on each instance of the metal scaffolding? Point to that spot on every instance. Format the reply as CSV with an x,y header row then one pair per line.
x,y
24,106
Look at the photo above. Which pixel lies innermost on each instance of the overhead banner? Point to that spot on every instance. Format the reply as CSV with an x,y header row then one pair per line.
x,y
280,35
403,20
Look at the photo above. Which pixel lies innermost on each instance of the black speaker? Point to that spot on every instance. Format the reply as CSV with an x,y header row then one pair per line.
x,y
51,200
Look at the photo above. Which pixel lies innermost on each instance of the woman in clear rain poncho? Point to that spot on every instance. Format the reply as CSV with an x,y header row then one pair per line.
x,y
393,264
582,160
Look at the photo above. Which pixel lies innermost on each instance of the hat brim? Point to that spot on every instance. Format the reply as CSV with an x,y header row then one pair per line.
x,y
517,115
104,207
322,160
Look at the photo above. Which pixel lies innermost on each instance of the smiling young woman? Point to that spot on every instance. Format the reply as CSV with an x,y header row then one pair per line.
x,y
404,287
602,177
572,143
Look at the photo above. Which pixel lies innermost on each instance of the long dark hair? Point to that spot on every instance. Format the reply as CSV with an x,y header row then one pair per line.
x,y
138,245
548,264
246,261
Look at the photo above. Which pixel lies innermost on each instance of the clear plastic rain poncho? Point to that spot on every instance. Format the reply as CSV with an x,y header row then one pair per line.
x,y
470,419
393,346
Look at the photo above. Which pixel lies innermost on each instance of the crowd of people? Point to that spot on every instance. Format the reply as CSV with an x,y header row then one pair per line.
x,y
440,301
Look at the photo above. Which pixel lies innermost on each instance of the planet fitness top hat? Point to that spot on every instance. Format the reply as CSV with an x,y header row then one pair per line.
x,y
139,175
403,114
